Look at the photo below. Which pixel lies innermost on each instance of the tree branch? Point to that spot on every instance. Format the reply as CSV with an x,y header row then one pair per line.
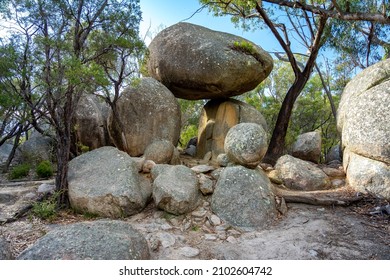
x,y
336,14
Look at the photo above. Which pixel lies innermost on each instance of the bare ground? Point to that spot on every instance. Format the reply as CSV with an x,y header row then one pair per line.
x,y
305,232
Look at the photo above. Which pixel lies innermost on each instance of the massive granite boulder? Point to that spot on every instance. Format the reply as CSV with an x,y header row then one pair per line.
x,y
216,119
243,198
198,63
364,123
147,112
90,122
96,240
106,182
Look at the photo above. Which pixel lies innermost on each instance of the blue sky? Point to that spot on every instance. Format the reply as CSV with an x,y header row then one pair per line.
x,y
164,13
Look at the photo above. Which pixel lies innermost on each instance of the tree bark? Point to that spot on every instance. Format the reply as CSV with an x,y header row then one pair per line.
x,y
276,145
341,197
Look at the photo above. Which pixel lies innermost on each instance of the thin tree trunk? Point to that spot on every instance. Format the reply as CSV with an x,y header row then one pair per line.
x,y
276,146
13,151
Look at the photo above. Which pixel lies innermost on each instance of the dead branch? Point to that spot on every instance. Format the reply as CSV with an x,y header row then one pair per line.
x,y
339,197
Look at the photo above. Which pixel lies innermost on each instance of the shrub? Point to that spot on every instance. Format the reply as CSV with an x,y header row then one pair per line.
x,y
19,171
47,209
44,169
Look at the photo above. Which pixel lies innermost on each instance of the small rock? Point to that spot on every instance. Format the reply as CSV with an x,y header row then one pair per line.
x,y
186,225
154,243
333,172
46,188
231,239
274,177
191,150
222,235
203,168
189,252
210,237
166,227
199,214
221,228
206,185
215,220
337,183
266,166
166,239
233,232
148,165
222,160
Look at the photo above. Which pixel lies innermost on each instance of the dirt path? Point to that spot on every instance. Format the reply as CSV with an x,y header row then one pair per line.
x,y
305,232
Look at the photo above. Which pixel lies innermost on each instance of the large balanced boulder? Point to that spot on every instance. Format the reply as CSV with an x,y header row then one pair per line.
x,y
217,118
246,144
364,123
147,112
106,182
90,123
301,175
243,197
198,63
175,188
97,240
308,146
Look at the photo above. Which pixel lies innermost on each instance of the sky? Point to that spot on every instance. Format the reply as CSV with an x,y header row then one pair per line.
x,y
158,14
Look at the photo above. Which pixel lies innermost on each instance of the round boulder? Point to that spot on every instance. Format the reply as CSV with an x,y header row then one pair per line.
x,y
246,144
308,146
301,175
243,197
97,240
195,62
106,182
175,188
146,112
160,151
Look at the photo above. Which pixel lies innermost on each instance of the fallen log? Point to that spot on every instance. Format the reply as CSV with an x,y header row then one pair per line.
x,y
340,197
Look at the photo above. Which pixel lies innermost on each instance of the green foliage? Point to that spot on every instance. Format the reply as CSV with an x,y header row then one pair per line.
x,y
190,114
247,48
46,209
187,133
44,169
19,171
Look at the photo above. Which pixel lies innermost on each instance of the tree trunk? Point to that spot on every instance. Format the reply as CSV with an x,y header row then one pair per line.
x,y
63,151
13,151
276,145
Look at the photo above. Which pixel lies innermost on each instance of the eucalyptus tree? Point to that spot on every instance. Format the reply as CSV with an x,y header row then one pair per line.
x,y
310,24
70,39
